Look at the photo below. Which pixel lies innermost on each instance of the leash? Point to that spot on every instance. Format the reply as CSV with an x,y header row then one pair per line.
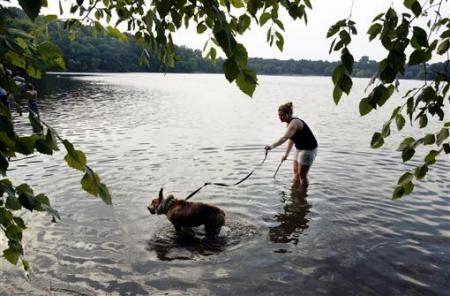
x,y
281,162
228,185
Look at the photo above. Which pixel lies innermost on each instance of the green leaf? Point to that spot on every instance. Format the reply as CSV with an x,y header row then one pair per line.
x,y
386,131
90,182
443,47
337,73
446,148
380,95
50,138
279,24
429,139
347,60
19,221
15,59
14,232
423,121
406,143
4,164
405,178
400,121
240,55
407,154
5,217
409,187
28,201
416,8
244,23
419,56
212,54
42,200
25,145
31,8
231,69
35,124
13,203
420,172
246,81
104,194
421,36
6,187
308,3
280,41
364,107
431,157
201,28
337,94
51,17
335,28
237,3
264,18
48,50
113,32
74,158
24,188
26,265
409,3
398,192
441,136
374,30
224,40
11,255
377,140
345,83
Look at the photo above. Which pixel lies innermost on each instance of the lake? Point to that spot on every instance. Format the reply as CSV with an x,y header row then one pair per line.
x,y
141,132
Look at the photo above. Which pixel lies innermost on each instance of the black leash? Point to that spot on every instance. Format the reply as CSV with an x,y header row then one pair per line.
x,y
227,185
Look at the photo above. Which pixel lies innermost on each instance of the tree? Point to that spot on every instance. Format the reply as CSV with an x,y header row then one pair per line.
x,y
153,23
30,52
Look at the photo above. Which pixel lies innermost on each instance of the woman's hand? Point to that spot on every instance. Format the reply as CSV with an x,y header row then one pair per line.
x,y
284,157
268,148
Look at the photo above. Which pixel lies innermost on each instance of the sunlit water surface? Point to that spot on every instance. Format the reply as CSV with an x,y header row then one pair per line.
x,y
146,131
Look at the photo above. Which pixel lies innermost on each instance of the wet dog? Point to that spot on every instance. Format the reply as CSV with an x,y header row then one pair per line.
x,y
188,214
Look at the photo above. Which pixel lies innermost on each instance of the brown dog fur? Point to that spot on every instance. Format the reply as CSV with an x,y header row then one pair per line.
x,y
188,214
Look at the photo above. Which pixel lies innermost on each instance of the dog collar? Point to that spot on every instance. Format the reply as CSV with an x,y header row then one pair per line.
x,y
165,205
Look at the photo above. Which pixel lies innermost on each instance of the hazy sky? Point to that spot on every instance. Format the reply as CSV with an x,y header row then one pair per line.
x,y
309,41
301,41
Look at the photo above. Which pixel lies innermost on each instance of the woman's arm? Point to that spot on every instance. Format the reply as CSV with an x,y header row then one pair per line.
x,y
288,150
289,133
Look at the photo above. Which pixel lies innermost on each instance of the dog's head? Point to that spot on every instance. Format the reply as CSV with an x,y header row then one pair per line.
x,y
158,205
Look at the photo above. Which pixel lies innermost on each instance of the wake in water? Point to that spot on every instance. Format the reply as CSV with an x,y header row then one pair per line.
x,y
192,244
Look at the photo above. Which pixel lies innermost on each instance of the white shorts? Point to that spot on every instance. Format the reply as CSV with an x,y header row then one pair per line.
x,y
305,157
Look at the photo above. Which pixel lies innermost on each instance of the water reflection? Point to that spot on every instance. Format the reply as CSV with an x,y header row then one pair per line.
x,y
293,220
169,245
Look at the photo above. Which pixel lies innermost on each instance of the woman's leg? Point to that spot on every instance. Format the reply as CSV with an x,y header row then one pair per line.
x,y
303,175
296,166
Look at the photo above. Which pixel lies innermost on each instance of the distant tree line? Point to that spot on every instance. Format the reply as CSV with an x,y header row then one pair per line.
x,y
91,52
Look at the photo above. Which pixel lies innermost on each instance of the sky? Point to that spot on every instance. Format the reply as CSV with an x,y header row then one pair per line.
x,y
301,41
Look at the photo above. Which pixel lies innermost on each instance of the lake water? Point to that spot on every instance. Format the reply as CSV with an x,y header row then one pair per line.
x,y
142,132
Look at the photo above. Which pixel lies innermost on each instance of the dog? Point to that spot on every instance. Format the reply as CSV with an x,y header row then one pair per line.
x,y
188,214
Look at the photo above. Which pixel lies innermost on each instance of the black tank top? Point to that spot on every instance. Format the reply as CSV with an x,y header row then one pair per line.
x,y
304,138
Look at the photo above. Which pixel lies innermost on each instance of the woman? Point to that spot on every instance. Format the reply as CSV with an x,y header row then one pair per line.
x,y
300,134
32,99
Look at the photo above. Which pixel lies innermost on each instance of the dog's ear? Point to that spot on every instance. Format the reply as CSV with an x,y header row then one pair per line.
x,y
160,196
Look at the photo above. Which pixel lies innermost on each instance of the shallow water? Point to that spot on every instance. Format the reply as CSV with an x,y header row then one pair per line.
x,y
142,132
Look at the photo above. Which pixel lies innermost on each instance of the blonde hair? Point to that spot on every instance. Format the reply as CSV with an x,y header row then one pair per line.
x,y
287,108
